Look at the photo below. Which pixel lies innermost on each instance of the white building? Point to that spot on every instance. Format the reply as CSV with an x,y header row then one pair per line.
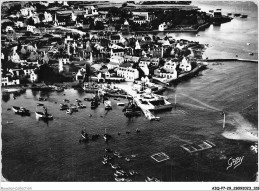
x,y
47,17
170,66
130,74
30,28
185,65
62,61
9,28
117,59
161,27
145,68
33,77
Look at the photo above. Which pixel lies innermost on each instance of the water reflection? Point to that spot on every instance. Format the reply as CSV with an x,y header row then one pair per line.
x,y
5,97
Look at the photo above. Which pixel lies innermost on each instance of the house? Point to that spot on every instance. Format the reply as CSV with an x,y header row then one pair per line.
x,y
139,19
9,28
145,61
117,59
80,75
8,81
112,65
129,74
62,62
33,77
30,28
90,11
145,68
47,17
162,26
19,24
115,39
170,66
117,52
185,65
143,14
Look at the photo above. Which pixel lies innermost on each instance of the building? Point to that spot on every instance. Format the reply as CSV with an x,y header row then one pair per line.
x,y
170,66
30,28
185,65
117,52
33,77
62,62
129,74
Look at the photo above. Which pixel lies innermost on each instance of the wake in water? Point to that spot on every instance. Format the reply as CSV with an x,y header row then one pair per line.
x,y
202,103
244,130
180,139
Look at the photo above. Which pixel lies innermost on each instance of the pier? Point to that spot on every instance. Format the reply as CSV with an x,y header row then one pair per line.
x,y
145,108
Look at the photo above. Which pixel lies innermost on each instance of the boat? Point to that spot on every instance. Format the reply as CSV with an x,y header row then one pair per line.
x,y
127,159
21,110
243,16
66,100
77,100
9,122
84,134
121,172
64,106
120,179
108,105
132,172
69,111
40,104
151,179
117,154
115,166
81,106
107,136
211,11
121,104
229,14
237,14
108,150
87,99
59,89
105,162
74,108
43,116
94,104
42,99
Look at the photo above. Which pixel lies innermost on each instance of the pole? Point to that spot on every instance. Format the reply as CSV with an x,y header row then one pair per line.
x,y
175,101
224,120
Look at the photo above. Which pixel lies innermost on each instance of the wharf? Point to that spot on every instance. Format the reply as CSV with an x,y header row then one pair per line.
x,y
145,108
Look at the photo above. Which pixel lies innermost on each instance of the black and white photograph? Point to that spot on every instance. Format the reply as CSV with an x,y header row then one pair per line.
x,y
100,92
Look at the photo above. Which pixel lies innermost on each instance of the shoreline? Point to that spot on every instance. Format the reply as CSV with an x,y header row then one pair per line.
x,y
228,60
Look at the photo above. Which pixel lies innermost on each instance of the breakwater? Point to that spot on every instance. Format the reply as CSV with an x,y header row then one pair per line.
x,y
228,60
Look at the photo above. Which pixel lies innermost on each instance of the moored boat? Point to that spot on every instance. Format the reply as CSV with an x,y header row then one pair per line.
x,y
69,111
243,16
43,116
107,105
64,106
21,110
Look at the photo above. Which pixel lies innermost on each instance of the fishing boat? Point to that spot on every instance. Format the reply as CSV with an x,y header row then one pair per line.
x,y
84,134
243,16
151,179
43,115
81,106
69,111
108,105
64,106
107,136
21,110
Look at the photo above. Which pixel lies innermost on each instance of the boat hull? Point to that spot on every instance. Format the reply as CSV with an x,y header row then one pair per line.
x,y
43,116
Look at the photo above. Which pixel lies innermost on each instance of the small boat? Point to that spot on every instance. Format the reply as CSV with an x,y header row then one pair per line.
x,y
74,108
121,104
237,14
127,159
42,99
211,11
117,154
43,116
64,106
21,110
229,14
81,106
218,9
107,105
108,157
251,54
120,179
151,179
132,172
84,134
59,89
121,172
69,111
87,99
40,104
107,136
8,109
9,122
108,150
66,100
115,166
77,100
105,162
243,16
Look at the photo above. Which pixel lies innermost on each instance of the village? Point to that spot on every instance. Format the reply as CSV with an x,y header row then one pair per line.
x,y
52,39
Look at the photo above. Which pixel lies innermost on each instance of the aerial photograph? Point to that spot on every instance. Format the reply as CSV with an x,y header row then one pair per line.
x,y
129,91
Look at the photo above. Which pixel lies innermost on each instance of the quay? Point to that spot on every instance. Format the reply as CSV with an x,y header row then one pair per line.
x,y
228,60
146,108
